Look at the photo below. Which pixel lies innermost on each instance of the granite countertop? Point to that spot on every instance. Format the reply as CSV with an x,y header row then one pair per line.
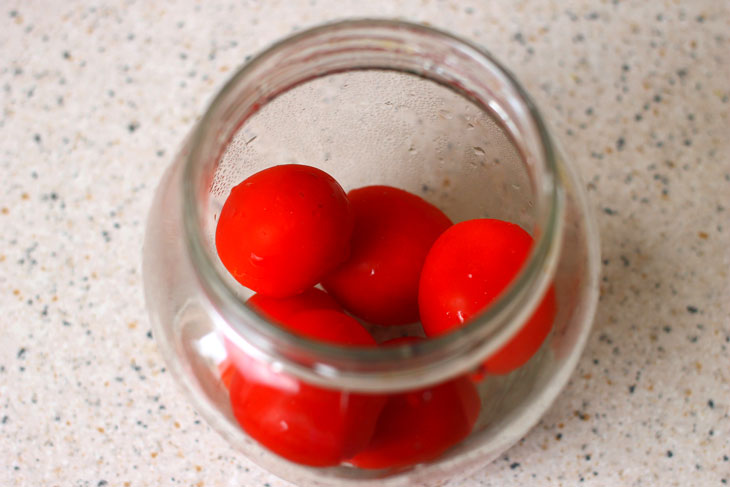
x,y
97,96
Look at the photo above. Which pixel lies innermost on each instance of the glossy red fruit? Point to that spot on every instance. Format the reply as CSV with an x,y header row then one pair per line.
x,y
303,423
284,228
465,270
280,309
523,345
226,369
330,326
393,232
419,426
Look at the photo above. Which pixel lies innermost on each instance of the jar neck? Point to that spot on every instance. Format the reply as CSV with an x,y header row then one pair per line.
x,y
370,45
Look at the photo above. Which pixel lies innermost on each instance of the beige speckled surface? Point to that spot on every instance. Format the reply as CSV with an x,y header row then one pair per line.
x,y
97,96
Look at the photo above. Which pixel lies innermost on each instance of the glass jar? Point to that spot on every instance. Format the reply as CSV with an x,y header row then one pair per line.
x,y
373,102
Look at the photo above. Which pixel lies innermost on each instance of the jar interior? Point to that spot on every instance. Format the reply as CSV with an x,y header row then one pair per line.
x,y
376,102
380,103
386,127
370,127
377,127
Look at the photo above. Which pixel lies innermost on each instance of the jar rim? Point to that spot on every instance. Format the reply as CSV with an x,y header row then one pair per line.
x,y
380,369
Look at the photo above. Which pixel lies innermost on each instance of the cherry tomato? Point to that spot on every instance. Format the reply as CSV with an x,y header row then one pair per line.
x,y
393,231
226,370
301,422
523,345
419,426
280,309
465,270
330,326
284,228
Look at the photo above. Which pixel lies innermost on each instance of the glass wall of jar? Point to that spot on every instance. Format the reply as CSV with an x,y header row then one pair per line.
x,y
372,102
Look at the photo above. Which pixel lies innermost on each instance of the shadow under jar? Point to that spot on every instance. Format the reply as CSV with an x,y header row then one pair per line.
x,y
374,102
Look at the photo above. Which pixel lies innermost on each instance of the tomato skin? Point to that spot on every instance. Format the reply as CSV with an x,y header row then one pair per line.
x,y
465,270
330,326
226,369
394,230
522,346
419,426
303,423
283,228
280,309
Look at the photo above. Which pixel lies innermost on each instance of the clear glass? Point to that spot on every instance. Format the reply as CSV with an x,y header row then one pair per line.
x,y
374,102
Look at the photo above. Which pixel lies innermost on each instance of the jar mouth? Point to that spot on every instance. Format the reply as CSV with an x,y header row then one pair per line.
x,y
376,44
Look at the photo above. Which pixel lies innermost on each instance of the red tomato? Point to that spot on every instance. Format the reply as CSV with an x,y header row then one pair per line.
x,y
393,231
301,422
523,345
284,228
280,309
226,370
330,326
419,426
465,270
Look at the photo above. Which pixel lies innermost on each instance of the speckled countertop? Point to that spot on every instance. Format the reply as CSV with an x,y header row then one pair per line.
x,y
96,97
